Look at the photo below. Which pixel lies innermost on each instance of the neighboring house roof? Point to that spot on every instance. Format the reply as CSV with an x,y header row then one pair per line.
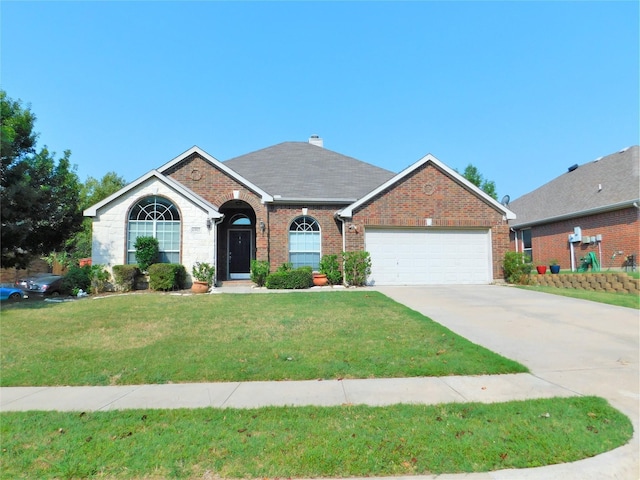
x,y
608,183
302,171
347,212
178,187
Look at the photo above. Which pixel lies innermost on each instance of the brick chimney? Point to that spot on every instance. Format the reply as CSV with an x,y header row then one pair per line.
x,y
315,140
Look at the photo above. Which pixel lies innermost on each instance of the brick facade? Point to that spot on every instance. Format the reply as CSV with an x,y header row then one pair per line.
x,y
429,193
620,232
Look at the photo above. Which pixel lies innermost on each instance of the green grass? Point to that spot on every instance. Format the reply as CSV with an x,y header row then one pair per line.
x,y
620,299
308,442
156,338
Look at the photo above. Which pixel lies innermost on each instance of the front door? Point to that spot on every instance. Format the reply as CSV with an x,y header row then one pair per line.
x,y
240,248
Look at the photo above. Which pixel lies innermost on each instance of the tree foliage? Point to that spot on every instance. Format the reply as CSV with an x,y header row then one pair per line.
x,y
39,195
78,245
472,174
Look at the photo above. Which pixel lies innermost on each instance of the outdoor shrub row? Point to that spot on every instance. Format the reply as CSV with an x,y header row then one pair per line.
x,y
162,276
290,279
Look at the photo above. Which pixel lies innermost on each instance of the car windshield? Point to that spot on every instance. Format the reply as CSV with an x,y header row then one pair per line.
x,y
44,280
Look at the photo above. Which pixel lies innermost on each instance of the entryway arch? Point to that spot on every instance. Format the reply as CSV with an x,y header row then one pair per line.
x,y
236,240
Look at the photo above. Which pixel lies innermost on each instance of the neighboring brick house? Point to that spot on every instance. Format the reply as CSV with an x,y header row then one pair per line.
x,y
296,201
593,207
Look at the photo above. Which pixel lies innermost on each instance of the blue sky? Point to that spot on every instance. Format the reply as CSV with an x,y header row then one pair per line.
x,y
522,90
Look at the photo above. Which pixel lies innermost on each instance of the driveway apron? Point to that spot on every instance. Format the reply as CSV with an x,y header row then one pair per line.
x,y
587,347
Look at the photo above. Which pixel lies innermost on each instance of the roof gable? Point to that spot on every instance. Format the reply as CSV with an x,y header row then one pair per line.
x,y
303,171
220,166
348,211
607,183
177,187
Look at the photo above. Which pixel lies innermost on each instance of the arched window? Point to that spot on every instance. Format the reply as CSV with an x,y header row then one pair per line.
x,y
240,219
159,218
304,243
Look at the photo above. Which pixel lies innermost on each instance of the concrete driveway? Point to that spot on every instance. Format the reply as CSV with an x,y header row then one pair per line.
x,y
587,347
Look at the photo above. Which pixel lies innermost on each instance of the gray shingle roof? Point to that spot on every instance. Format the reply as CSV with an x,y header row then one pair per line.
x,y
299,170
579,191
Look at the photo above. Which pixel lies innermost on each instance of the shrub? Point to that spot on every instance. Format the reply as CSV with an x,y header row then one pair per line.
x,y
516,268
203,272
290,279
285,267
125,276
330,266
77,278
147,252
166,276
357,267
259,272
99,278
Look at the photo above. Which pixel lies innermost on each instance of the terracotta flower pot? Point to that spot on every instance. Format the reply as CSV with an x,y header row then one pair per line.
x,y
199,287
542,269
320,279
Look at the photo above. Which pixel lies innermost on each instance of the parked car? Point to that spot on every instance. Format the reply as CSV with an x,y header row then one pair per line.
x,y
10,293
42,285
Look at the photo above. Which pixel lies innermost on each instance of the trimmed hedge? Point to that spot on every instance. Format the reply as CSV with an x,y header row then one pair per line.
x,y
125,277
290,279
167,276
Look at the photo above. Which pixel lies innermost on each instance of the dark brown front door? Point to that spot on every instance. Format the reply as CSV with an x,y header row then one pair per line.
x,y
240,247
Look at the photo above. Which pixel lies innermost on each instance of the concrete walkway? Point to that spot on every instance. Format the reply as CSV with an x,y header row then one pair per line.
x,y
431,390
572,347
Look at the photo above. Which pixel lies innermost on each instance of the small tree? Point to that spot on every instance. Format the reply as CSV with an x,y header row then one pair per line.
x,y
357,267
516,268
147,252
330,266
259,272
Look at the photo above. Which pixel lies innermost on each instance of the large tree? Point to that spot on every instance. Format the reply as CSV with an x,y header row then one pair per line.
x,y
78,245
472,174
39,196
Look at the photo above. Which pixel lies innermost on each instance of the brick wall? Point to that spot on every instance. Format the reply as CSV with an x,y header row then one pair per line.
x,y
426,193
620,232
280,218
430,193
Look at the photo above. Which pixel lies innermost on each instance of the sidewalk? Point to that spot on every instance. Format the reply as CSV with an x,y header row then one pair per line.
x,y
378,392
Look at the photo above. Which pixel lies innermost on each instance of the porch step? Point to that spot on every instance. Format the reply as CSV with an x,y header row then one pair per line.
x,y
235,283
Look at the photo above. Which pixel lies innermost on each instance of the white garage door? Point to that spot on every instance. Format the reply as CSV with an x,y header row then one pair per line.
x,y
421,256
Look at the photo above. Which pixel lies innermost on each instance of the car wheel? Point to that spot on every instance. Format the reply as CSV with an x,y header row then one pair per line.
x,y
55,294
15,296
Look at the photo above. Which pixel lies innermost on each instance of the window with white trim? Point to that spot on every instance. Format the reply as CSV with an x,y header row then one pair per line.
x,y
159,218
304,243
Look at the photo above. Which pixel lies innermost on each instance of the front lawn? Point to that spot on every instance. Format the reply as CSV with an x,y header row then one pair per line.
x,y
308,442
160,338
629,300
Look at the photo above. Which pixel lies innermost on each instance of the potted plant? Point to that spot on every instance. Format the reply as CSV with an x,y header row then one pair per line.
x,y
554,266
202,274
542,269
320,279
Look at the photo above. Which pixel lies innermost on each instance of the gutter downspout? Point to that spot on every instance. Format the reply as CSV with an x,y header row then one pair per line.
x,y
573,258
